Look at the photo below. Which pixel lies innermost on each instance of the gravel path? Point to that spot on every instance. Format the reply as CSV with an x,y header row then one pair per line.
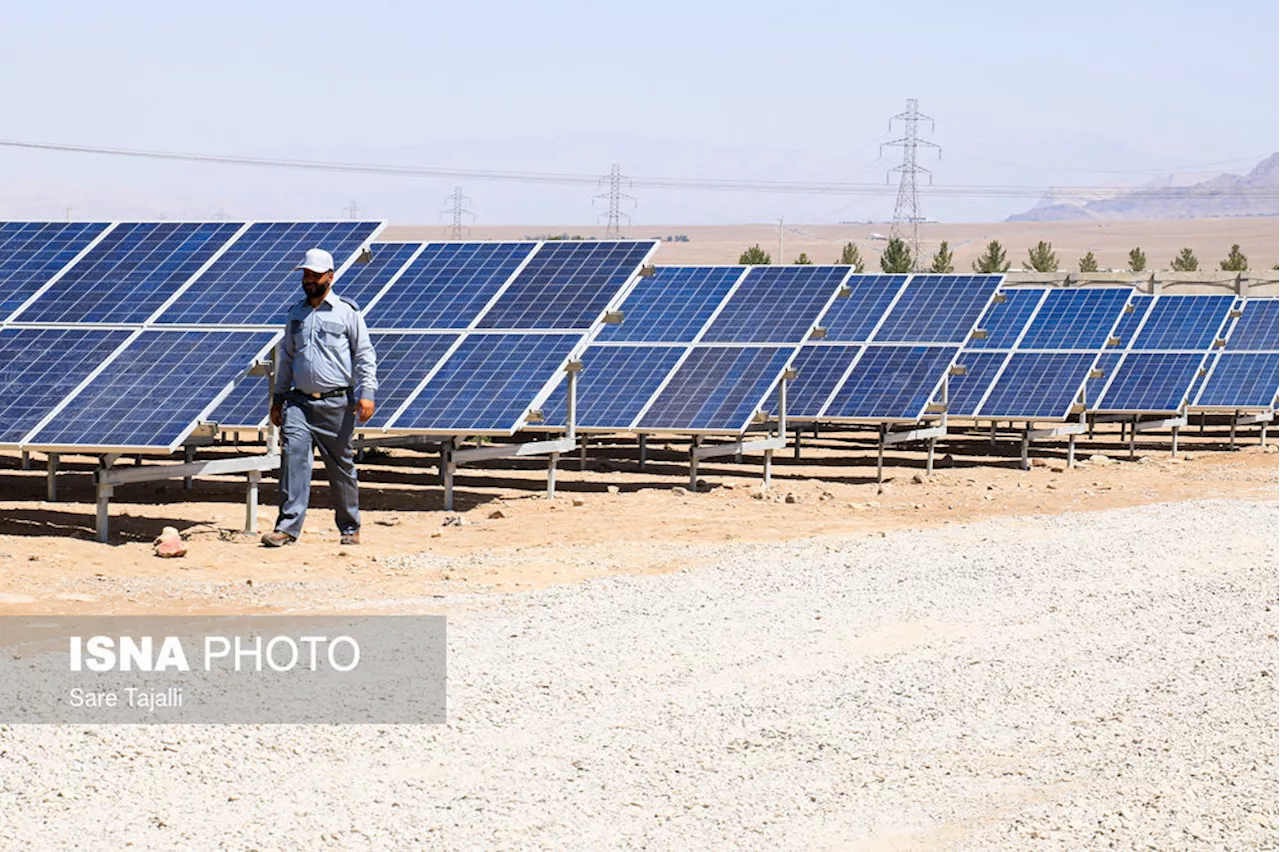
x,y
1103,680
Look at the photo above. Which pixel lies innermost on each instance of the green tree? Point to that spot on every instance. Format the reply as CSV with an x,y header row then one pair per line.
x,y
896,257
755,256
1235,262
942,261
850,256
1185,261
1089,263
992,260
1041,258
803,260
1137,260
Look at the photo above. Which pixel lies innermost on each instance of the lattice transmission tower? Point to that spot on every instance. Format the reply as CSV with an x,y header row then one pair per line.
x,y
614,196
457,209
906,212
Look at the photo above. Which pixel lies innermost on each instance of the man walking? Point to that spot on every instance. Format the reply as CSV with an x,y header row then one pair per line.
x,y
326,377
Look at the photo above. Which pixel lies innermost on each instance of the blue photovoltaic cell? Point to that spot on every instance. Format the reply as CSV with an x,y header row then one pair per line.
x,y
254,282
246,406
488,383
33,252
1004,321
403,362
717,388
1107,363
1184,322
1129,321
127,276
852,318
965,392
892,382
153,392
672,305
567,284
1258,328
776,304
362,281
447,285
818,371
1152,381
614,385
1038,386
39,367
938,309
1076,319
1242,380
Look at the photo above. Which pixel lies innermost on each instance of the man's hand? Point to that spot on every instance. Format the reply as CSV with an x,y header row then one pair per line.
x,y
277,414
364,410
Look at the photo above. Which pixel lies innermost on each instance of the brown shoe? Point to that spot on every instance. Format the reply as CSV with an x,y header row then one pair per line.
x,y
277,539
350,538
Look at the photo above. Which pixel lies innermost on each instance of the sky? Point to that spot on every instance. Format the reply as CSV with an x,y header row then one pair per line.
x,y
1022,94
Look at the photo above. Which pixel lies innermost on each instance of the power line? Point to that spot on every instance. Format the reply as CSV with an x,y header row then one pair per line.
x,y
614,196
456,210
707,184
906,211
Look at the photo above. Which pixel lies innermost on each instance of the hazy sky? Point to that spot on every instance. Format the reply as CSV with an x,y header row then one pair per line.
x,y
1031,94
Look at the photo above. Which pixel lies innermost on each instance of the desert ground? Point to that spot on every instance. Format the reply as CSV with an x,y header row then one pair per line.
x,y
1110,241
988,658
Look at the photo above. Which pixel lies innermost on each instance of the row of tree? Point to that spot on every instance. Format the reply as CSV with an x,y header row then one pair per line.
x,y
897,259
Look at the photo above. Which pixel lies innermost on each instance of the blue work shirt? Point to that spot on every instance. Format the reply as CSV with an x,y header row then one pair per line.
x,y
325,349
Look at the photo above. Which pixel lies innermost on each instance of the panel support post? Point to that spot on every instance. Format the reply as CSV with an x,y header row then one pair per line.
x,y
446,472
52,485
26,460
644,450
553,461
693,462
1025,462
880,455
1262,434
1235,415
928,462
104,500
797,440
1071,450
1173,451
992,442
1133,438
251,502
189,453
768,468
582,453
1202,416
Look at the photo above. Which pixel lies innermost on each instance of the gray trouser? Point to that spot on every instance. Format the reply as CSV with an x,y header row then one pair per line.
x,y
327,424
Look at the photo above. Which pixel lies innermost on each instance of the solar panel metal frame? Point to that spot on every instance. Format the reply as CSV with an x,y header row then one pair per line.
x,y
53,279
1224,325
1195,405
558,375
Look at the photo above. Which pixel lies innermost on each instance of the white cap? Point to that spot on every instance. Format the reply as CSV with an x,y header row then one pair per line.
x,y
317,260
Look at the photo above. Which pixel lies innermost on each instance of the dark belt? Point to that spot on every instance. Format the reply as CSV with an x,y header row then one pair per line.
x,y
326,394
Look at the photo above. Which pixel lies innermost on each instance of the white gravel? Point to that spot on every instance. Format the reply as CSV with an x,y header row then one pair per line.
x,y
1103,680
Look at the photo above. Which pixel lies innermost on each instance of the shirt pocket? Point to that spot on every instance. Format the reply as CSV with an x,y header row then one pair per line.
x,y
298,335
332,334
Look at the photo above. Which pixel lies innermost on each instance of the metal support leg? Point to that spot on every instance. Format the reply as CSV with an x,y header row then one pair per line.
x,y
1026,448
768,468
1071,450
26,460
797,449
1202,416
1091,430
582,454
991,445
1262,434
1233,429
644,450
52,485
104,500
446,472
251,502
880,457
190,454
552,463
693,463
1173,452
1133,439
928,462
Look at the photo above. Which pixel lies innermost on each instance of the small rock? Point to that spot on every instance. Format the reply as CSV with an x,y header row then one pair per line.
x,y
679,491
1098,458
919,479
727,486
1051,487
873,504
1057,468
388,522
170,544
701,485
613,489
790,498
758,495
826,495
1039,462
496,515
1187,457
1144,460
437,534
249,582
946,461
579,502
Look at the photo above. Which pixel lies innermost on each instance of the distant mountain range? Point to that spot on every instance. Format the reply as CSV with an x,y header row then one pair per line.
x,y
1218,197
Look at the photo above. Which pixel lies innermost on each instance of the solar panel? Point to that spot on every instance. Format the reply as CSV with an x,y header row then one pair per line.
x,y
154,392
254,282
404,360
448,285
567,284
1184,322
717,388
852,318
614,385
819,370
1076,319
892,383
937,309
1152,381
488,384
672,305
775,304
32,253
1258,328
1005,321
1106,367
131,272
1038,386
39,367
1242,380
1131,320
965,392
246,407
363,281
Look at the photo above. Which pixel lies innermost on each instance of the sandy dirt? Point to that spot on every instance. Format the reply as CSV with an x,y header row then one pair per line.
x,y
506,536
